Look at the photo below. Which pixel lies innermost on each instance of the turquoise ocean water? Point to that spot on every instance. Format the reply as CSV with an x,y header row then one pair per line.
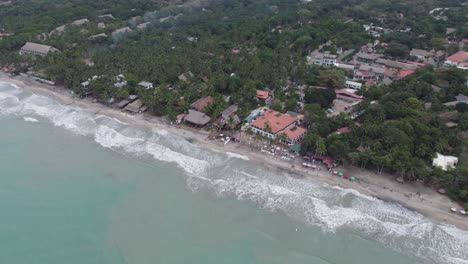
x,y
79,188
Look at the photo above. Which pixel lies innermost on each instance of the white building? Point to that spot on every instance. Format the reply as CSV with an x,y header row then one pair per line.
x,y
322,59
145,85
353,85
445,162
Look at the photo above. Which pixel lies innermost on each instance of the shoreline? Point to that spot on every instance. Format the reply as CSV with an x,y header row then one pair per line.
x,y
413,196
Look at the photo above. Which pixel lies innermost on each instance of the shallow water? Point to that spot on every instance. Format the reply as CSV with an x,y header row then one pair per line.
x,y
141,196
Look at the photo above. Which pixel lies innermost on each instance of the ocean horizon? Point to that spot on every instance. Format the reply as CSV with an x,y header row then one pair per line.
x,y
83,188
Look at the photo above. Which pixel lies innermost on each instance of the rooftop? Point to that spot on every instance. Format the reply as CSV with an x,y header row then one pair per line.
x,y
294,132
263,94
197,118
349,94
145,84
229,111
444,162
420,52
404,73
38,48
201,103
273,119
459,57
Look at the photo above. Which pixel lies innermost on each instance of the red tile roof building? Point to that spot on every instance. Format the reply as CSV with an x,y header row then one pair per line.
x,y
403,73
263,95
200,104
459,59
345,95
271,123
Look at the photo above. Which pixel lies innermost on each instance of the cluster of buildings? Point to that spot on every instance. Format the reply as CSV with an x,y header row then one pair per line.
x,y
275,125
197,117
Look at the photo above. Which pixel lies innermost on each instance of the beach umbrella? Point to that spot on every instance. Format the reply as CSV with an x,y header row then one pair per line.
x,y
352,178
340,174
335,172
453,209
463,212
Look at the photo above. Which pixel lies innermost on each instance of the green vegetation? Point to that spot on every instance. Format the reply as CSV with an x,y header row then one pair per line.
x,y
235,47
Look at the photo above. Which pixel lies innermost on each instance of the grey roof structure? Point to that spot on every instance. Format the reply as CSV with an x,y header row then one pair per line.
x,y
421,53
135,106
146,85
37,49
80,22
121,31
197,118
102,35
378,69
396,64
229,111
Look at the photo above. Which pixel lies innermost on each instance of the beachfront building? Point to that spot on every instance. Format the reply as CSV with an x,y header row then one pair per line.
x,y
136,107
271,124
202,103
444,162
37,49
196,118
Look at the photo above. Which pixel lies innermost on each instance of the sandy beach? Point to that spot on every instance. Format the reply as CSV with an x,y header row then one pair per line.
x,y
414,196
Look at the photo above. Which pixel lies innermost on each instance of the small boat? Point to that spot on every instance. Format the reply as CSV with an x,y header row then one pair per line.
x,y
453,209
463,212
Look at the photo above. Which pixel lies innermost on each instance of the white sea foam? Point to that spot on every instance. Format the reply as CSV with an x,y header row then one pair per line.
x,y
189,164
331,208
110,138
30,119
235,155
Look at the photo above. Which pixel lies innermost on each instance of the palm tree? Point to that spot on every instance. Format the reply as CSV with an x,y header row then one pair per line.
x,y
320,147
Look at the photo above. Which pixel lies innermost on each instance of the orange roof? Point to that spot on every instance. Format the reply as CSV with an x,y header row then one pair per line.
x,y
262,94
275,120
459,57
404,73
200,104
294,132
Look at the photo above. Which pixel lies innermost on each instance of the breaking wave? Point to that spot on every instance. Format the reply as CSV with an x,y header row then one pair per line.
x,y
229,174
30,119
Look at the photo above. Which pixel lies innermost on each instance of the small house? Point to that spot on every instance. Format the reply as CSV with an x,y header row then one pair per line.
x,y
145,85
197,118
136,107
264,96
202,103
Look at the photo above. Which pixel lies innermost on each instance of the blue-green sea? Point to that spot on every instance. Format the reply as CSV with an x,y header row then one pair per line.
x,y
76,187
